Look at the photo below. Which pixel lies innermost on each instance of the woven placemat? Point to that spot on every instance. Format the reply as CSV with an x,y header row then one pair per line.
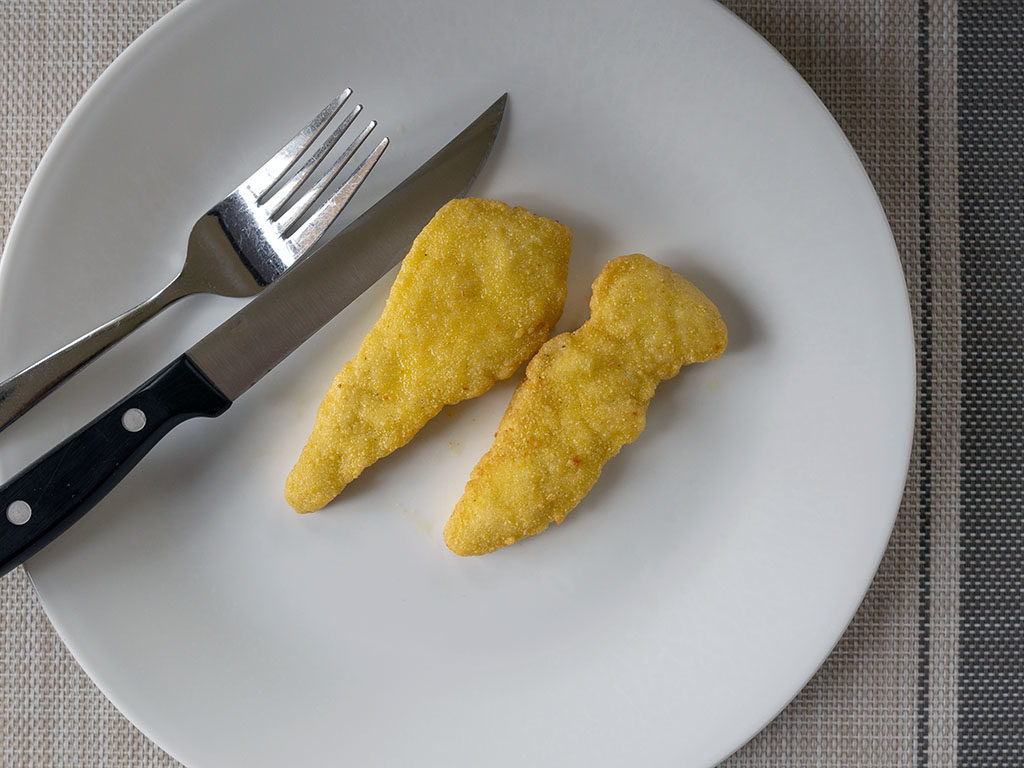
x,y
931,671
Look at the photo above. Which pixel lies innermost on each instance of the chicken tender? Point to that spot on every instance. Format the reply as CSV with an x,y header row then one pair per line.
x,y
585,396
477,294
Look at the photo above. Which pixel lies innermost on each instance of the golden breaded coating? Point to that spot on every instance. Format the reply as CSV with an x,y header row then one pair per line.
x,y
477,294
585,396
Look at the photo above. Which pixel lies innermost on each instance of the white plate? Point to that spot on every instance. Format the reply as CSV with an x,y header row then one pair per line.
x,y
709,572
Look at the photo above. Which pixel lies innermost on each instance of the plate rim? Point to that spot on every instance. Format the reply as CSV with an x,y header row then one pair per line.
x,y
132,51
909,428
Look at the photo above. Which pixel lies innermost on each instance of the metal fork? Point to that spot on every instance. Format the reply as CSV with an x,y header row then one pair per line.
x,y
237,248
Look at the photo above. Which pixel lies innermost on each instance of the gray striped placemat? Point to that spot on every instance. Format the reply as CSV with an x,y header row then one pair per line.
x,y
931,671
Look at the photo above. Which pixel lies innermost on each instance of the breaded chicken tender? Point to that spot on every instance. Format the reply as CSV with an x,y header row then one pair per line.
x,y
477,294
585,395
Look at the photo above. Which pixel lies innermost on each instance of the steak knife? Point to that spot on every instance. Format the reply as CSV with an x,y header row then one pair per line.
x,y
45,499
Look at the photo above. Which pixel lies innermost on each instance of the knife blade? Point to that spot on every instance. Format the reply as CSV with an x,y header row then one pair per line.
x,y
46,498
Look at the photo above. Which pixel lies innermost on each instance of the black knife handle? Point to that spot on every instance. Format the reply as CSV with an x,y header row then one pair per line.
x,y
45,499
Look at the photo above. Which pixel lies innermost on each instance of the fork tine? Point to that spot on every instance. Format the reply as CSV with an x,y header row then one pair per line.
x,y
299,209
307,235
283,195
277,166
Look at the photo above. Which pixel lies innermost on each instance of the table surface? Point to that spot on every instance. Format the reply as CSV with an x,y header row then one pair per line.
x,y
931,671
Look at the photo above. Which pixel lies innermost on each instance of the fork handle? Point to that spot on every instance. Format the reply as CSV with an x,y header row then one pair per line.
x,y
25,389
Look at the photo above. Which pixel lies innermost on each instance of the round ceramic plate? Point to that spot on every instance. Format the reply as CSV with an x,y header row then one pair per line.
x,y
693,591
